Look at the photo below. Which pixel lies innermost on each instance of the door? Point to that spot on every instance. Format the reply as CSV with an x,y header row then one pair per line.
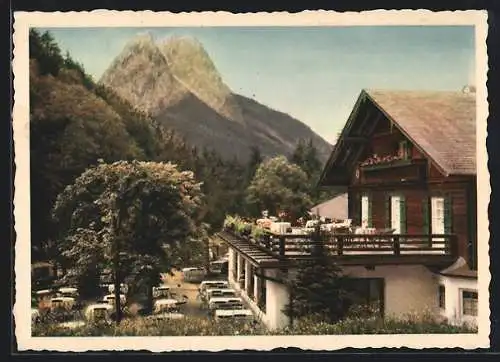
x,y
396,214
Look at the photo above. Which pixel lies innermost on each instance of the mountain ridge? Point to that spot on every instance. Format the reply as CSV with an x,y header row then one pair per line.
x,y
176,82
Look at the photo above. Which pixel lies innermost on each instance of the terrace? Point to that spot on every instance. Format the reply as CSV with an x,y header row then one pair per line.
x,y
271,249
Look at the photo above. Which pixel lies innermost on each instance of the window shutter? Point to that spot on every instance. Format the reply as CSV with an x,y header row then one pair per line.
x,y
357,213
369,210
448,213
402,211
388,211
425,215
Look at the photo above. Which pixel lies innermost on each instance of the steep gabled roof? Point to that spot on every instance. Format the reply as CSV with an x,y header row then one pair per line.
x,y
441,124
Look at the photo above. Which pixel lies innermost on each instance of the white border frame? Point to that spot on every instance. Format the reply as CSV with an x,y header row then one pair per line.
x,y
99,18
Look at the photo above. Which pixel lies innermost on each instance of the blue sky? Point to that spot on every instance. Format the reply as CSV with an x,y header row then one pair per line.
x,y
312,73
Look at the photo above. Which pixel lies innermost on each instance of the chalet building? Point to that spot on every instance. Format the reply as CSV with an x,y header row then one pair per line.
x,y
408,162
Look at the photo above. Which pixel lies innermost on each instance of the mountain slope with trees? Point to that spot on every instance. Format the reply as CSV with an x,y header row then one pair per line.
x,y
76,124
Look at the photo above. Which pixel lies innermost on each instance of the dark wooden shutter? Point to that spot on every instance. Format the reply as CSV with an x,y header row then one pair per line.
x,y
448,215
357,209
425,215
402,211
370,219
387,211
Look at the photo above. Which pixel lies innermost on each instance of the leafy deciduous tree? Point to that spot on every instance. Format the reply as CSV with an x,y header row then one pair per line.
x,y
135,216
280,186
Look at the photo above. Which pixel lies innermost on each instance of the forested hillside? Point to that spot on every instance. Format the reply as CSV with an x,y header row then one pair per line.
x,y
75,123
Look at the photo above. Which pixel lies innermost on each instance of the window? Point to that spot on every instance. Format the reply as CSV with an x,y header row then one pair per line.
x,y
441,217
404,150
442,297
368,292
365,211
469,303
396,214
437,215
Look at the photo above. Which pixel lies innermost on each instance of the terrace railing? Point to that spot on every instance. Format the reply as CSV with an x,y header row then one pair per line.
x,y
297,246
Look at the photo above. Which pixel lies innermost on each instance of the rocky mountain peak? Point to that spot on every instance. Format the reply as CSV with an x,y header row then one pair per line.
x,y
144,39
159,75
177,83
192,66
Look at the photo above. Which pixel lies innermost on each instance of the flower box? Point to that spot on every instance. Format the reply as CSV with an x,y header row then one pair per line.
x,y
384,165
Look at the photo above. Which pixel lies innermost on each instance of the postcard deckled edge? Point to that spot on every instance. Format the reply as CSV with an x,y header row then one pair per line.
x,y
22,23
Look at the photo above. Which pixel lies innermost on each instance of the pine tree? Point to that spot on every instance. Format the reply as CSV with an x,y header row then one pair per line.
x,y
320,288
253,163
312,165
306,157
298,155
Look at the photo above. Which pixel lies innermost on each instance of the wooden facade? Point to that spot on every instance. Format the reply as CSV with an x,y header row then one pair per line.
x,y
376,159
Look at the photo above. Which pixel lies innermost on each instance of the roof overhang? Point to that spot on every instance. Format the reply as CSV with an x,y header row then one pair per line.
x,y
255,255
356,133
354,137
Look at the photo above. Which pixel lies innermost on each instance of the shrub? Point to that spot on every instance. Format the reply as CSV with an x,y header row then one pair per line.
x,y
257,232
189,326
414,324
198,326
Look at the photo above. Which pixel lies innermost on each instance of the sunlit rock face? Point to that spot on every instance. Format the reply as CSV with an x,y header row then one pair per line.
x,y
176,82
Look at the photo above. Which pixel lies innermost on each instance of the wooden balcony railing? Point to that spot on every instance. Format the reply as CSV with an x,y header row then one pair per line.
x,y
297,246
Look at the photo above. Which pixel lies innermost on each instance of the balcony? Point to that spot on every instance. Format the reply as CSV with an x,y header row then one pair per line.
x,y
354,249
392,169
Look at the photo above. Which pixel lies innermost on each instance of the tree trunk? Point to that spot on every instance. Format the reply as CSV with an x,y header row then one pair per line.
x,y
149,297
207,255
118,310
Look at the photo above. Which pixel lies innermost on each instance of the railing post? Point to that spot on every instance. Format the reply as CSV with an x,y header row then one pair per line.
x,y
340,245
447,245
282,246
267,241
452,245
397,246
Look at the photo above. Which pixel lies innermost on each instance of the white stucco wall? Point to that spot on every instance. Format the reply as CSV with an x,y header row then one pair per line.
x,y
259,314
235,285
408,288
453,298
277,297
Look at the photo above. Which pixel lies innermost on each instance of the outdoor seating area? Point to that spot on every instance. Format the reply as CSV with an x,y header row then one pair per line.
x,y
339,237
